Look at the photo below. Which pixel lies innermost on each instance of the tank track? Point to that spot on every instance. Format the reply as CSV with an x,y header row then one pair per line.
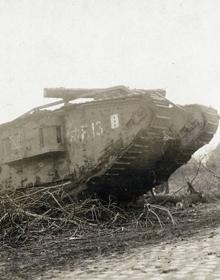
x,y
127,177
175,157
211,118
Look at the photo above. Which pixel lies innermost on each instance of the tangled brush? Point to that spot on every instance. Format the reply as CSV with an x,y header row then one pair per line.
x,y
27,213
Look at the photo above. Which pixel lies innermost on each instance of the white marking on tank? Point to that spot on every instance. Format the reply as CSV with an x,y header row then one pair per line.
x,y
114,121
99,128
93,129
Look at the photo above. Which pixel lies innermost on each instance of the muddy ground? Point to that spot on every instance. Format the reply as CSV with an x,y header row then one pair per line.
x,y
70,250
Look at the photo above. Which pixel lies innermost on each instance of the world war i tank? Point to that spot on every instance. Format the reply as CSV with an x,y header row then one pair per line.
x,y
118,141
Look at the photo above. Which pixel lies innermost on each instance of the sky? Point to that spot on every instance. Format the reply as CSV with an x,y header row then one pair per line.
x,y
167,44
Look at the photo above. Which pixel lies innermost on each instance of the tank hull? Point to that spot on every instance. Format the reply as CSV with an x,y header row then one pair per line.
x,y
122,144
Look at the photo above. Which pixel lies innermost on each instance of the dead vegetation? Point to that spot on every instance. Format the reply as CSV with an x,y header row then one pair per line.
x,y
56,230
26,214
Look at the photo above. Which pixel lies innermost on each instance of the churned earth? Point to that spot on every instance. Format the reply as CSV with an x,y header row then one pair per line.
x,y
197,257
190,249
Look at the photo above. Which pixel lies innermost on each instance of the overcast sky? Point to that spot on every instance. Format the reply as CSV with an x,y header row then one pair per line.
x,y
99,43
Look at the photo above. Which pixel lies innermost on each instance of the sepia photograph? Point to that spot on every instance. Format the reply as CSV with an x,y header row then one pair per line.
x,y
109,139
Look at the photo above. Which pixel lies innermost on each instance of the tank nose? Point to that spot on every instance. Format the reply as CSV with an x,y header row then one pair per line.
x,y
202,124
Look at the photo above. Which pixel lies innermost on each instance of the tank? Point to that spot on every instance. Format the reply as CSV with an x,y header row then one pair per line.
x,y
115,141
